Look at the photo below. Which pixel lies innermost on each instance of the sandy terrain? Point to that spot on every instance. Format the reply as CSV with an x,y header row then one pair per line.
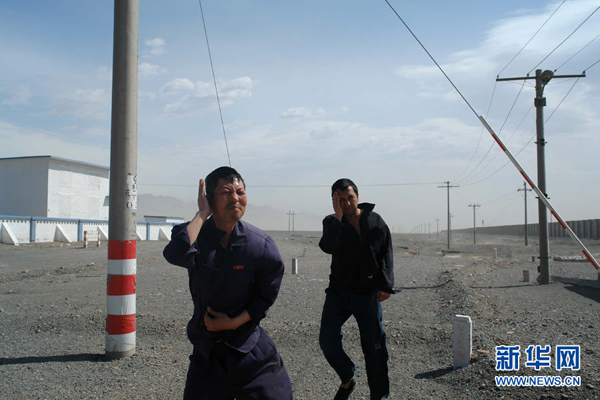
x,y
52,311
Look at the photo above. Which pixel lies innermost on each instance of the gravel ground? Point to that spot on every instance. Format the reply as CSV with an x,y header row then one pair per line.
x,y
52,311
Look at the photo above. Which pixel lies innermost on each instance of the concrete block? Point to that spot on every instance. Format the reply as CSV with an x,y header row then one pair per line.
x,y
102,233
7,236
462,342
163,235
60,235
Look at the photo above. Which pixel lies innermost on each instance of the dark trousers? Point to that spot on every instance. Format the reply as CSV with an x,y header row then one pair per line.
x,y
339,306
229,374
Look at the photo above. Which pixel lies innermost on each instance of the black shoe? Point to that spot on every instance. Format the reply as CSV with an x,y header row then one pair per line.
x,y
344,394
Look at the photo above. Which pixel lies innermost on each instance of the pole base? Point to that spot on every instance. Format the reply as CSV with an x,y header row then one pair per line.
x,y
114,355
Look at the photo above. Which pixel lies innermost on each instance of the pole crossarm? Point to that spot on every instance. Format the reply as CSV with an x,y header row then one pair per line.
x,y
533,77
541,195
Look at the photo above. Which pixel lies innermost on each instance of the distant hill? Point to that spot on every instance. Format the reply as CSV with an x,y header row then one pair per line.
x,y
265,217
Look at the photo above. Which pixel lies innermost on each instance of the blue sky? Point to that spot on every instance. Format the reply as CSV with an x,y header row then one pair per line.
x,y
315,91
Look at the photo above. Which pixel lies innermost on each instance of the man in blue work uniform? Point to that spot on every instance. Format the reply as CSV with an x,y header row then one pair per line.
x,y
235,271
362,276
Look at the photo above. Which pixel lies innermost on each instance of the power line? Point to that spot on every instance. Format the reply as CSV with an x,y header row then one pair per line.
x,y
573,56
563,99
500,131
480,134
561,43
534,35
215,82
432,59
591,65
504,209
495,155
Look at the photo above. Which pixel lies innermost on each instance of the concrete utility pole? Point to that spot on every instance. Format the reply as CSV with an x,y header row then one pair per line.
x,y
122,262
289,214
474,230
525,190
448,186
293,220
541,80
437,229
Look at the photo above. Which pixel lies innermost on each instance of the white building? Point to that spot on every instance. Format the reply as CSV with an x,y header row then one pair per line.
x,y
160,218
54,187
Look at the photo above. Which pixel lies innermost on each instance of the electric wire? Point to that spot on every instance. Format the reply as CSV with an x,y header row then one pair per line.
x,y
432,59
563,99
567,38
534,35
504,209
500,131
215,81
530,140
507,162
591,66
501,197
573,56
480,134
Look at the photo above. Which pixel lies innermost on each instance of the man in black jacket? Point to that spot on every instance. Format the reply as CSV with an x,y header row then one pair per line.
x,y
362,276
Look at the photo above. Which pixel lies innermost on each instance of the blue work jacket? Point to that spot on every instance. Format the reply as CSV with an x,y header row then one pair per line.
x,y
245,275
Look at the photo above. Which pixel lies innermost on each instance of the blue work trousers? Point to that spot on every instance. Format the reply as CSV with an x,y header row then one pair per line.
x,y
339,306
229,374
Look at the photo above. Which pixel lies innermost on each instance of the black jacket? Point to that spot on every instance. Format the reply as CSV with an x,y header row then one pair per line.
x,y
360,264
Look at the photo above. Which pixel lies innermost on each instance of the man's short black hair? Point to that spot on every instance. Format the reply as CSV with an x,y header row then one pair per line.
x,y
343,184
228,174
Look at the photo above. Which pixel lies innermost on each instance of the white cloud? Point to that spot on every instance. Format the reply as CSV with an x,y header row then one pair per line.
x,y
469,67
311,113
199,96
157,46
20,95
177,86
83,103
147,70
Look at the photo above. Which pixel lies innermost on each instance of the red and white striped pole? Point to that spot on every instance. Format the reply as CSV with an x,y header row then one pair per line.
x,y
541,195
121,299
121,279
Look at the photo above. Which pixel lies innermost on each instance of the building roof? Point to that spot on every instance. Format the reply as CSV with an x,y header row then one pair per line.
x,y
57,158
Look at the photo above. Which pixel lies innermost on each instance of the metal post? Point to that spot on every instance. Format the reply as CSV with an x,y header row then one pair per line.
x,y
540,102
121,280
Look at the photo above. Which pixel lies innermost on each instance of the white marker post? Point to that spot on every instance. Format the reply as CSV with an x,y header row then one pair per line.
x,y
294,266
462,340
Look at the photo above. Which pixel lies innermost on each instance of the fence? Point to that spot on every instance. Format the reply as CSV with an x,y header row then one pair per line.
x,y
584,229
19,229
